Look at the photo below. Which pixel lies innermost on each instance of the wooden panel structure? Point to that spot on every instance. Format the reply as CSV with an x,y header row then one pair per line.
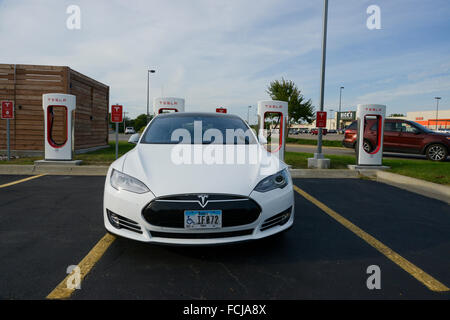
x,y
25,85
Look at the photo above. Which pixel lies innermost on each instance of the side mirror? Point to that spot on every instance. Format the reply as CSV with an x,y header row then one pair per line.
x,y
134,139
262,139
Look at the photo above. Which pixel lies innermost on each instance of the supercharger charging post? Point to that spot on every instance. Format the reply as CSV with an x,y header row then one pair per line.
x,y
369,146
168,104
58,128
272,126
117,117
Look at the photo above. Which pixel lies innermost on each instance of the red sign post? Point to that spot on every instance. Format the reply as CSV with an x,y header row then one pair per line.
x,y
7,113
221,110
7,110
117,113
117,117
321,119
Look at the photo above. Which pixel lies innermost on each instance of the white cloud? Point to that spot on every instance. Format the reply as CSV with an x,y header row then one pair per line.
x,y
428,86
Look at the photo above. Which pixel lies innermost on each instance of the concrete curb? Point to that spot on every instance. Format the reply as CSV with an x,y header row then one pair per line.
x,y
324,173
54,170
425,188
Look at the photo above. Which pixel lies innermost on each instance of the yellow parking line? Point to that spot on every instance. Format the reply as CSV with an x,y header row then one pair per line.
x,y
62,291
416,272
20,181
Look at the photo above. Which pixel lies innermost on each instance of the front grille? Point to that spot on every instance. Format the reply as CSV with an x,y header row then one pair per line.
x,y
277,220
211,235
120,222
169,211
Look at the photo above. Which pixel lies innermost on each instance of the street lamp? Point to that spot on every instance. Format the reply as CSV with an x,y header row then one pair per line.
x,y
319,161
340,102
148,91
248,115
437,110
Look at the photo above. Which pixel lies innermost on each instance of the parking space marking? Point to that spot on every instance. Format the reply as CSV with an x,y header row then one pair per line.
x,y
21,180
423,277
88,262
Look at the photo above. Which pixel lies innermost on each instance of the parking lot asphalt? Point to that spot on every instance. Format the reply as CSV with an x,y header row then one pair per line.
x,y
46,224
51,222
7,178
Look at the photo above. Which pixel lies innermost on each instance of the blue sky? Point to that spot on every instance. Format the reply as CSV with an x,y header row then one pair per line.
x,y
225,53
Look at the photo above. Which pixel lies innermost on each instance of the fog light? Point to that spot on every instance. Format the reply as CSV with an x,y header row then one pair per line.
x,y
285,217
114,219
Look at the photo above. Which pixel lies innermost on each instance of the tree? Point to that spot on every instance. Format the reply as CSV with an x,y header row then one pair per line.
x,y
298,107
141,121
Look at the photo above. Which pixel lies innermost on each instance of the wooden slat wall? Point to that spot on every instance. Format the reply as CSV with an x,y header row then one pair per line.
x,y
31,82
91,121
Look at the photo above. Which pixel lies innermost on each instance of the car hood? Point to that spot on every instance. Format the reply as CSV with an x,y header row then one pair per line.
x,y
440,134
154,165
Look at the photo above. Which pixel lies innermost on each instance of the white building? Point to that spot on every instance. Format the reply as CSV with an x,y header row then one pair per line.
x,y
428,118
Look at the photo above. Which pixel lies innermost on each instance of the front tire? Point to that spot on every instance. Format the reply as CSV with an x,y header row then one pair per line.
x,y
437,152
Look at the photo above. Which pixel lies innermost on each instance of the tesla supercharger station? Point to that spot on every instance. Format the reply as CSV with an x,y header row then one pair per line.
x,y
272,124
58,125
370,119
164,105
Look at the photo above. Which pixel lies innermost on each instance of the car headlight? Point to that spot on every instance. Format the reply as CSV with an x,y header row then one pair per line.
x,y
122,181
277,180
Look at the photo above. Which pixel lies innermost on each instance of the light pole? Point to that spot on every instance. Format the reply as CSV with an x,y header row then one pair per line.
x,y
437,110
248,114
319,162
339,114
148,91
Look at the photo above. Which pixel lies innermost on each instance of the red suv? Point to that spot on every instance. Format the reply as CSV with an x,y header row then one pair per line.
x,y
401,136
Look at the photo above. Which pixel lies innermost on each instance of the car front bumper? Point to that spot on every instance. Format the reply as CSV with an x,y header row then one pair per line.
x,y
129,207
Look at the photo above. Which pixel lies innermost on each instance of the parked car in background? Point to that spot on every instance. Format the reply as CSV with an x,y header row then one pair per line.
x,y
402,136
315,131
129,130
332,131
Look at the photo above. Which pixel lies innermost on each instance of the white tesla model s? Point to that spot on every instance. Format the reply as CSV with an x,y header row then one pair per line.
x,y
198,178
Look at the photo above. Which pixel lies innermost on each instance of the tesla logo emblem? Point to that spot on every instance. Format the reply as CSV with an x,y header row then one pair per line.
x,y
203,200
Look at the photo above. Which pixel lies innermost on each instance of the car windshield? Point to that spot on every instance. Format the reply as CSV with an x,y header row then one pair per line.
x,y
198,129
421,127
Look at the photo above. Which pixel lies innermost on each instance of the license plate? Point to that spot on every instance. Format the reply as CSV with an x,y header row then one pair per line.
x,y
202,219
